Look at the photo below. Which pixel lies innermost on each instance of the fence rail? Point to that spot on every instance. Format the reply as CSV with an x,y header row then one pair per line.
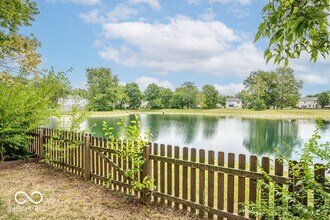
x,y
209,184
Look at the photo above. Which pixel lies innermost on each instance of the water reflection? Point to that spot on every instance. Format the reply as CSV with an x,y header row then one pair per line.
x,y
228,134
265,136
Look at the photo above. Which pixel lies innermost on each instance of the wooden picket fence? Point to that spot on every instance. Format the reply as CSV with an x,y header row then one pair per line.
x,y
208,184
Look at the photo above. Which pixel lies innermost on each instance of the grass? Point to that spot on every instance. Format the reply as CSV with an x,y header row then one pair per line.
x,y
66,196
248,113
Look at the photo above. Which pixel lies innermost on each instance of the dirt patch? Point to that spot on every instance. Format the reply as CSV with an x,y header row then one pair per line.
x,y
66,196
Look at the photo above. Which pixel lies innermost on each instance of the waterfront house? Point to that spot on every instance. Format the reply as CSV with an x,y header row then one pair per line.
x,y
233,103
308,102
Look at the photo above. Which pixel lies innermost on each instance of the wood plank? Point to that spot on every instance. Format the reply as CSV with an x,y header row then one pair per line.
x,y
176,176
221,181
215,168
169,174
201,182
162,173
155,171
230,184
253,182
210,184
195,206
264,190
279,172
241,185
185,178
193,180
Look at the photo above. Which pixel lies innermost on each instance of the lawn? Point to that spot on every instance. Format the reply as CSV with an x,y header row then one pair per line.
x,y
66,196
274,113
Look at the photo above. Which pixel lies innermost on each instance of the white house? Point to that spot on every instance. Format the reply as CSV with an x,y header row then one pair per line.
x,y
308,102
233,103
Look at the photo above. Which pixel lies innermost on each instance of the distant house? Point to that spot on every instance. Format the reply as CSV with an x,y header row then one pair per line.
x,y
308,102
233,103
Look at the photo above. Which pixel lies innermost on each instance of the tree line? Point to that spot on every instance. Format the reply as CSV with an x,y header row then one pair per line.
x,y
263,90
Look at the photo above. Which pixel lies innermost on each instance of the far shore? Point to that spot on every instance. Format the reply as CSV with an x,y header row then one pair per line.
x,y
243,113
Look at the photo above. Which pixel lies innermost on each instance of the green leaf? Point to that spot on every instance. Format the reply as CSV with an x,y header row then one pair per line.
x,y
319,14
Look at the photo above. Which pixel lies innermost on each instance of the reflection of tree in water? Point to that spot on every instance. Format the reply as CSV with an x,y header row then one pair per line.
x,y
209,126
186,125
325,125
267,135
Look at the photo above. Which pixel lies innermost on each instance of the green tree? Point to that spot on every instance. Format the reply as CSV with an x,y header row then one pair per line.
x,y
293,27
134,94
103,89
189,95
287,88
16,50
245,97
166,98
323,99
211,96
152,95
24,104
257,87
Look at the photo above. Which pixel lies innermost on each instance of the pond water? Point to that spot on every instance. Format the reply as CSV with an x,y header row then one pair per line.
x,y
228,134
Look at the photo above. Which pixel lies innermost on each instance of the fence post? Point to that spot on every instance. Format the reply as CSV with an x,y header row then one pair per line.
x,y
319,175
41,144
146,172
87,157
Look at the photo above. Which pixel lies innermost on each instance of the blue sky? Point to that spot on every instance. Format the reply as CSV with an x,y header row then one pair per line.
x,y
166,42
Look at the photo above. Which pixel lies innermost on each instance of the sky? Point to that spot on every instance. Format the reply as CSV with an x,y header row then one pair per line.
x,y
163,42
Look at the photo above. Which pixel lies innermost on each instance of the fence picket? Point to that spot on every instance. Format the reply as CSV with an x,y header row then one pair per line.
x,y
230,184
210,184
176,176
193,180
169,174
221,180
162,173
185,178
241,185
201,182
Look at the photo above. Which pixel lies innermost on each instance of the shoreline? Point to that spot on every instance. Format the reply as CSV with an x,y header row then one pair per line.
x,y
251,114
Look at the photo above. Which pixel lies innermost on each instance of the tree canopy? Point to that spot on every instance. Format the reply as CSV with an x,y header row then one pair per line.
x,y
294,27
103,89
16,50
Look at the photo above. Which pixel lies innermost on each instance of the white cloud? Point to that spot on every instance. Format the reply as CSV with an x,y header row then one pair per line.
x,y
90,17
315,79
208,15
183,44
226,2
121,12
154,4
82,2
144,81
230,89
238,12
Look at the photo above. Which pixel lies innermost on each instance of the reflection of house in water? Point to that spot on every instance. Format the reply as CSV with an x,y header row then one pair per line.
x,y
308,102
233,103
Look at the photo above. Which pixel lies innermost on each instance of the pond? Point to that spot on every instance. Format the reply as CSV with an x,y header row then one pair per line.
x,y
229,134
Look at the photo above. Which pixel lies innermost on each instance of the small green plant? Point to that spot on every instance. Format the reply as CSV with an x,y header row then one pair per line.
x,y
130,148
288,204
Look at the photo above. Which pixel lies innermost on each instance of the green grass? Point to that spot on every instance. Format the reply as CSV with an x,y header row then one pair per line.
x,y
248,113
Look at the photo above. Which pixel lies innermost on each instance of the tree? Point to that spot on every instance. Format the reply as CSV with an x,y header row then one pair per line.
x,y
293,27
152,95
134,94
17,51
323,99
189,95
257,87
245,97
287,88
211,96
25,104
103,89
166,98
